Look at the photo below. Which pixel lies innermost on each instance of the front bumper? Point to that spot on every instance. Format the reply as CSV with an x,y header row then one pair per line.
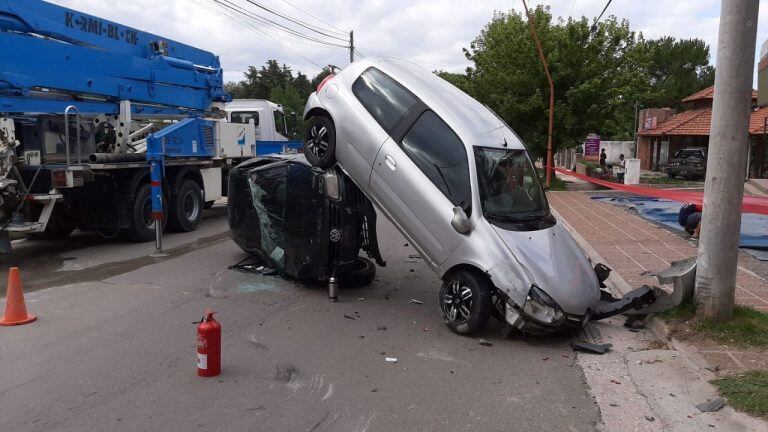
x,y
606,307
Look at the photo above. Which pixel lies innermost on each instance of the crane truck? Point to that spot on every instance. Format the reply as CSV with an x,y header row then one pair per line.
x,y
109,128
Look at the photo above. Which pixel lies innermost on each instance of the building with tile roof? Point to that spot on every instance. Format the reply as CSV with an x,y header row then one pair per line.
x,y
662,132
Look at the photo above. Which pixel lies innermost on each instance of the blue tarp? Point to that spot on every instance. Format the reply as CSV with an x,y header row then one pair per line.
x,y
754,227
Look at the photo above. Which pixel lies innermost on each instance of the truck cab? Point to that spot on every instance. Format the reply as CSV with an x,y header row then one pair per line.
x,y
272,131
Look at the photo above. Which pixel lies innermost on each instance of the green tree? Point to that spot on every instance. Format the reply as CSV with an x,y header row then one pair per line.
x,y
593,74
674,69
599,71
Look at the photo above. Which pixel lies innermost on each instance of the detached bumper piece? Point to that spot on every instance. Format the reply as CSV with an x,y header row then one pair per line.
x,y
633,300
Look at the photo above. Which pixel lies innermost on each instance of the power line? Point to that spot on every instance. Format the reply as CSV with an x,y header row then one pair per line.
x,y
294,20
235,8
315,17
601,13
252,27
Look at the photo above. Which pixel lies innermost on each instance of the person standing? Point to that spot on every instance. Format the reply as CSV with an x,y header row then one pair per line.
x,y
621,168
603,157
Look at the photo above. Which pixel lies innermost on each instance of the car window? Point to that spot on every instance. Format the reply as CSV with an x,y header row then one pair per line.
x,y
383,97
441,155
681,154
268,194
245,117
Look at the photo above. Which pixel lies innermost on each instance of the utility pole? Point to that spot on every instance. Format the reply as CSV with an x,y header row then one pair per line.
x,y
729,137
351,46
535,36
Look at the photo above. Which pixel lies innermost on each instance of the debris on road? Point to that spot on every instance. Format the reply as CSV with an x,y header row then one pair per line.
x,y
414,301
391,359
711,405
590,347
381,328
484,342
650,418
349,317
615,382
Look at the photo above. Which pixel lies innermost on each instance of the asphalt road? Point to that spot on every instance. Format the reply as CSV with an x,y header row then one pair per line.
x,y
114,349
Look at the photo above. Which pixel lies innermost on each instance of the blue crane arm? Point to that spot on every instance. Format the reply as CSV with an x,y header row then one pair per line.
x,y
80,54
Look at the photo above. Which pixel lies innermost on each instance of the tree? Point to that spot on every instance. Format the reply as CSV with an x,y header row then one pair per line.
x,y
599,70
674,69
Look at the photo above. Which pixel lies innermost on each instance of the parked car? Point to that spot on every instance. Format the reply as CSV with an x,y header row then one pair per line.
x,y
459,184
303,221
688,163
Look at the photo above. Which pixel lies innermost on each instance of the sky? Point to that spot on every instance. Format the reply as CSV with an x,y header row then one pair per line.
x,y
429,32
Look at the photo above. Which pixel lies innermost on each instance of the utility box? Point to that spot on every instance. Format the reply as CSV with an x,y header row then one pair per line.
x,y
632,171
236,139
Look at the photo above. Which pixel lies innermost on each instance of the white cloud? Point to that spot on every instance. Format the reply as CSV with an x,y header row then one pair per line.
x,y
428,31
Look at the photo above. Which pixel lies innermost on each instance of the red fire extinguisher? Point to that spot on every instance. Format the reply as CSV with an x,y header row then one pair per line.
x,y
208,346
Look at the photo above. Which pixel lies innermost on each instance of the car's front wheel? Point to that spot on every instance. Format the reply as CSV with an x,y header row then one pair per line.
x,y
320,142
465,302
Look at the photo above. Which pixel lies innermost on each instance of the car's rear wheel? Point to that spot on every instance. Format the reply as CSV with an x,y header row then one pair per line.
x,y
356,274
320,142
465,302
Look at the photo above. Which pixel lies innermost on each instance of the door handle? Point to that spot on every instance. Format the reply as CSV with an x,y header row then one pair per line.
x,y
391,163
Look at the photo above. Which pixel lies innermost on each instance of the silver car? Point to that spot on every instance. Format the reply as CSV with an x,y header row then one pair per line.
x,y
459,184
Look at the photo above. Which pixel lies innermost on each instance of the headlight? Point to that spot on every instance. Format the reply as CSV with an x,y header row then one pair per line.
x,y
540,306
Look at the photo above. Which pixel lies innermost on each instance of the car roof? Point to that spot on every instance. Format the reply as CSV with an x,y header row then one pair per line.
x,y
475,123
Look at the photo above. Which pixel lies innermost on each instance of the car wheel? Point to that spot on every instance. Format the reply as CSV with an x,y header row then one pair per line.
x,y
185,208
671,175
359,273
320,142
465,302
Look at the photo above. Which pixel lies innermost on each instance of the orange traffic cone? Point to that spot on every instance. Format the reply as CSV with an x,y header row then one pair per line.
x,y
15,309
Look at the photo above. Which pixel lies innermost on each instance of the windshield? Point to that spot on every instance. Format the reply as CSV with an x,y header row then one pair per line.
x,y
689,153
508,184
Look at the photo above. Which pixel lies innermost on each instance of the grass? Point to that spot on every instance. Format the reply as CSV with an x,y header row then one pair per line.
x,y
746,392
748,327
556,184
662,180
684,312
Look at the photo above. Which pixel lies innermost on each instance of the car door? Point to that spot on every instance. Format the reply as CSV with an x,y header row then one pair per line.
x,y
419,176
386,102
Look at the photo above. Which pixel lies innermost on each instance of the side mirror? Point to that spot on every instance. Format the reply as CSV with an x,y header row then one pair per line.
x,y
460,221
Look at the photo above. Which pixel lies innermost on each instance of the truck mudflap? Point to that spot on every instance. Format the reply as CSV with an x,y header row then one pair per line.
x,y
637,299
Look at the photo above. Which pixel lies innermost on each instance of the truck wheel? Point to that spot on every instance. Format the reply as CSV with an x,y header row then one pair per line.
x,y
142,227
359,273
185,208
465,302
320,142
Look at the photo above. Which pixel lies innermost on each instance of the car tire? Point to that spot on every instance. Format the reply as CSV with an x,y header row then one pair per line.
x,y
671,175
185,208
465,302
356,274
320,142
142,229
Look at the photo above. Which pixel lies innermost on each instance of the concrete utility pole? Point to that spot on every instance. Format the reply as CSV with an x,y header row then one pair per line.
x,y
351,46
729,137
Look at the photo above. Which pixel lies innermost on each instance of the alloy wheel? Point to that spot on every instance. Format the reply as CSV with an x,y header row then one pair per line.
x,y
457,301
317,142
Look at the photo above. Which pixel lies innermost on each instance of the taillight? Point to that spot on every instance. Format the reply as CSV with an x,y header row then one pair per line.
x,y
325,80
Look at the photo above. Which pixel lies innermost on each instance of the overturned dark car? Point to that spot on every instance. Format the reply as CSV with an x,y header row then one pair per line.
x,y
304,222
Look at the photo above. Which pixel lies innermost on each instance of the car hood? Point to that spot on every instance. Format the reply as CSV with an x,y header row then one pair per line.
x,y
556,264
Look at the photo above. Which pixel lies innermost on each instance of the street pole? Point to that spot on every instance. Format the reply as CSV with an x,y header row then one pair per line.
x,y
351,46
729,136
543,59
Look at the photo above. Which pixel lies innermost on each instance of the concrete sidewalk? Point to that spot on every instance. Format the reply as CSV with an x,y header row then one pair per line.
x,y
631,246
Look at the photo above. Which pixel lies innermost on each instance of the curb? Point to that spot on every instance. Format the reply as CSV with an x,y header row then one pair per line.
x,y
655,325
